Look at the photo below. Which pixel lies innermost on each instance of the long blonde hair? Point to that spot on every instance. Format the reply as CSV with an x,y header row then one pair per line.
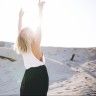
x,y
25,40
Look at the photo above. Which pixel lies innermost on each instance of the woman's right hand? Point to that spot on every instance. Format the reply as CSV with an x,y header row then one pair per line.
x,y
41,4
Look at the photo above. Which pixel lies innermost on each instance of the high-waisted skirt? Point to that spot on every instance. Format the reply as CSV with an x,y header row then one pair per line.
x,y
35,82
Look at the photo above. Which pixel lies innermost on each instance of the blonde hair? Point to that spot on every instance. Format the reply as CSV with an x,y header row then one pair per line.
x,y
24,41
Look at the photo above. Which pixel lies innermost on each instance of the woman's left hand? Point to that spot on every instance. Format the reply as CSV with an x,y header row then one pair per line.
x,y
21,13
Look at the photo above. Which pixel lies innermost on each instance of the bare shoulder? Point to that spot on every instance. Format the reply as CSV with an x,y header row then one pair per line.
x,y
37,51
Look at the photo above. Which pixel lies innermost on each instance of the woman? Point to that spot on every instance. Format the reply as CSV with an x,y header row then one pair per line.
x,y
35,81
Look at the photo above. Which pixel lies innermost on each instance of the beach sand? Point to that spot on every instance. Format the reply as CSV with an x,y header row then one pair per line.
x,y
72,71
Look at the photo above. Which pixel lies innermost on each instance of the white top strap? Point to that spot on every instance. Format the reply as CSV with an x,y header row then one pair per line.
x,y
31,61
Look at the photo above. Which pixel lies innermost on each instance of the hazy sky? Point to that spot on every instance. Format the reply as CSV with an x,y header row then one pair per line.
x,y
66,23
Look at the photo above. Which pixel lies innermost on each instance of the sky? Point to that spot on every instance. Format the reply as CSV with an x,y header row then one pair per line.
x,y
66,23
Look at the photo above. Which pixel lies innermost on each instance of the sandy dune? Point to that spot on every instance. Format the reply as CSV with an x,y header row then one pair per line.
x,y
82,83
67,77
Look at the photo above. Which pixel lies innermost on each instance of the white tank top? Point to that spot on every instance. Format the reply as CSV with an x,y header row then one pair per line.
x,y
31,61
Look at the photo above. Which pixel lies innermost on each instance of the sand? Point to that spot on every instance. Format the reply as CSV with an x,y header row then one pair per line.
x,y
66,76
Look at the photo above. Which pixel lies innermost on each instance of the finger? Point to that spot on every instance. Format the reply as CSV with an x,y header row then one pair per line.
x,y
20,10
21,13
40,1
43,2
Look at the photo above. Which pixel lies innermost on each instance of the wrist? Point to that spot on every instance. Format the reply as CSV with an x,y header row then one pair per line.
x,y
20,17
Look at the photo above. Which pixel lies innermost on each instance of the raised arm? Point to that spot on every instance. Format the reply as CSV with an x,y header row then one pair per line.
x,y
20,20
38,31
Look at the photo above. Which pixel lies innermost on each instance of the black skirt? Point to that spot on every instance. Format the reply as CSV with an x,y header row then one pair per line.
x,y
35,82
